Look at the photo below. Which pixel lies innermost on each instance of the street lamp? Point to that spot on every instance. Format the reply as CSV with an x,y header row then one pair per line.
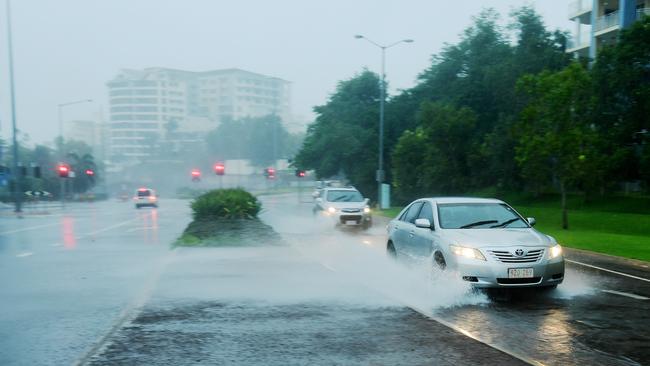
x,y
60,110
380,175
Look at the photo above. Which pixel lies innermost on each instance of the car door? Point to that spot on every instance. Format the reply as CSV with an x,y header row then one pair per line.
x,y
405,228
423,240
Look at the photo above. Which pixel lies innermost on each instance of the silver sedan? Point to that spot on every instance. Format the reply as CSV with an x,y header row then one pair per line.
x,y
485,241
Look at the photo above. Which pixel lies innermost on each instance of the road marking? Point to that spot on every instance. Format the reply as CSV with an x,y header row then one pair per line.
x,y
627,294
119,224
28,228
608,270
25,254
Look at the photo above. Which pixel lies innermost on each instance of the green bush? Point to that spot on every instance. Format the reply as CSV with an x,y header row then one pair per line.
x,y
226,204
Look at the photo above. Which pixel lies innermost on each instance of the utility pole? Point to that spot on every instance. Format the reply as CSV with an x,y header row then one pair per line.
x,y
17,176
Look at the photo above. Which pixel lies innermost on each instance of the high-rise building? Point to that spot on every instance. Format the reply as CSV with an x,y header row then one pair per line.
x,y
598,22
154,104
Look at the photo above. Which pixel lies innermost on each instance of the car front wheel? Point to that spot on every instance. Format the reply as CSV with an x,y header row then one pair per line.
x,y
439,260
390,250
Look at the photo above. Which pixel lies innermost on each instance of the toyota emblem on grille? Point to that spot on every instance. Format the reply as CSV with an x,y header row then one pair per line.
x,y
519,252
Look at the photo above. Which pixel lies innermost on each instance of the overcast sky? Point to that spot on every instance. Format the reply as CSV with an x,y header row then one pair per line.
x,y
66,50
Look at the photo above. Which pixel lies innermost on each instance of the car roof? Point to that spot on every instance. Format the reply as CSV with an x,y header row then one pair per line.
x,y
444,200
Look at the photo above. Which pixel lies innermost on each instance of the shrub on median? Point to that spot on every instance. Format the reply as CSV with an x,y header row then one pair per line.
x,y
234,203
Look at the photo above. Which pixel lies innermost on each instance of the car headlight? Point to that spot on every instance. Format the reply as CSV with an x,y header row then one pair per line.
x,y
467,252
555,251
366,209
331,210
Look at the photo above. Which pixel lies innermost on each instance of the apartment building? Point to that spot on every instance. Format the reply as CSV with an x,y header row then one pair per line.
x,y
598,22
154,104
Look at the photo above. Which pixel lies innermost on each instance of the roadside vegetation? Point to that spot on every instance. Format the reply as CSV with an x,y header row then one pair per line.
x,y
505,108
227,217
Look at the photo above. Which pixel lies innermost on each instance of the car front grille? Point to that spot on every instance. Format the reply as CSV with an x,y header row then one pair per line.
x,y
351,210
505,256
519,281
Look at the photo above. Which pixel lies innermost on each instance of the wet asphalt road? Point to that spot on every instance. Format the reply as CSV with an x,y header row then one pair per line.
x,y
98,284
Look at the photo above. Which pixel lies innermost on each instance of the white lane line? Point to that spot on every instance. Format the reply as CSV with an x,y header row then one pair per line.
x,y
608,270
28,228
119,224
25,254
626,294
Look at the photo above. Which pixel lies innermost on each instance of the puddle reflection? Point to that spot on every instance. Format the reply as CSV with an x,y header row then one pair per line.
x,y
67,228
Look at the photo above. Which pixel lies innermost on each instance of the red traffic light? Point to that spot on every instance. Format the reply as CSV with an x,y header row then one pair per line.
x,y
90,172
63,170
219,169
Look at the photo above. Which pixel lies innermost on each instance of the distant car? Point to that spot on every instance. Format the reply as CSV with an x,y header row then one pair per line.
x,y
345,205
145,197
485,241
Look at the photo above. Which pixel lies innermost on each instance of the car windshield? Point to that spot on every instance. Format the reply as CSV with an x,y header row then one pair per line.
x,y
344,196
478,216
144,193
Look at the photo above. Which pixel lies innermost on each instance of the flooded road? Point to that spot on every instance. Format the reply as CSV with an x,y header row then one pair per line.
x,y
117,294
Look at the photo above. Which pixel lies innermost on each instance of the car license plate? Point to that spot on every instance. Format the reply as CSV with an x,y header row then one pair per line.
x,y
520,273
350,222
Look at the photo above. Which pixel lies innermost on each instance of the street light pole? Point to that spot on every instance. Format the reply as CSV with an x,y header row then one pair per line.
x,y
380,175
16,174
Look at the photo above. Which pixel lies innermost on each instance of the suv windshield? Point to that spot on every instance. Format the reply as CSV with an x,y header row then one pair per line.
x,y
478,216
344,196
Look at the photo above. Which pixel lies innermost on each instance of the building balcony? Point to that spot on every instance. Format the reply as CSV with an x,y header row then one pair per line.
x,y
578,8
607,22
574,45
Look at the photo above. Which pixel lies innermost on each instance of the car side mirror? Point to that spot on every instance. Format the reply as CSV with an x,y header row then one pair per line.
x,y
423,223
366,201
531,221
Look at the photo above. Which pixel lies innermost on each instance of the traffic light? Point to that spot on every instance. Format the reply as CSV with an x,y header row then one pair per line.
x,y
300,173
219,169
196,175
63,170
269,173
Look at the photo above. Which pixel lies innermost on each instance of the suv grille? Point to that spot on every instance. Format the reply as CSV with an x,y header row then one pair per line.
x,y
351,210
507,257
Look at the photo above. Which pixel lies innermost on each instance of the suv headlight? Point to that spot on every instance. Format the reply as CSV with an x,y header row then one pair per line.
x,y
366,209
331,210
555,251
467,252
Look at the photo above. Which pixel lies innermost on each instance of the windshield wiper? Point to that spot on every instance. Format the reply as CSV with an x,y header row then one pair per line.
x,y
478,223
505,223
